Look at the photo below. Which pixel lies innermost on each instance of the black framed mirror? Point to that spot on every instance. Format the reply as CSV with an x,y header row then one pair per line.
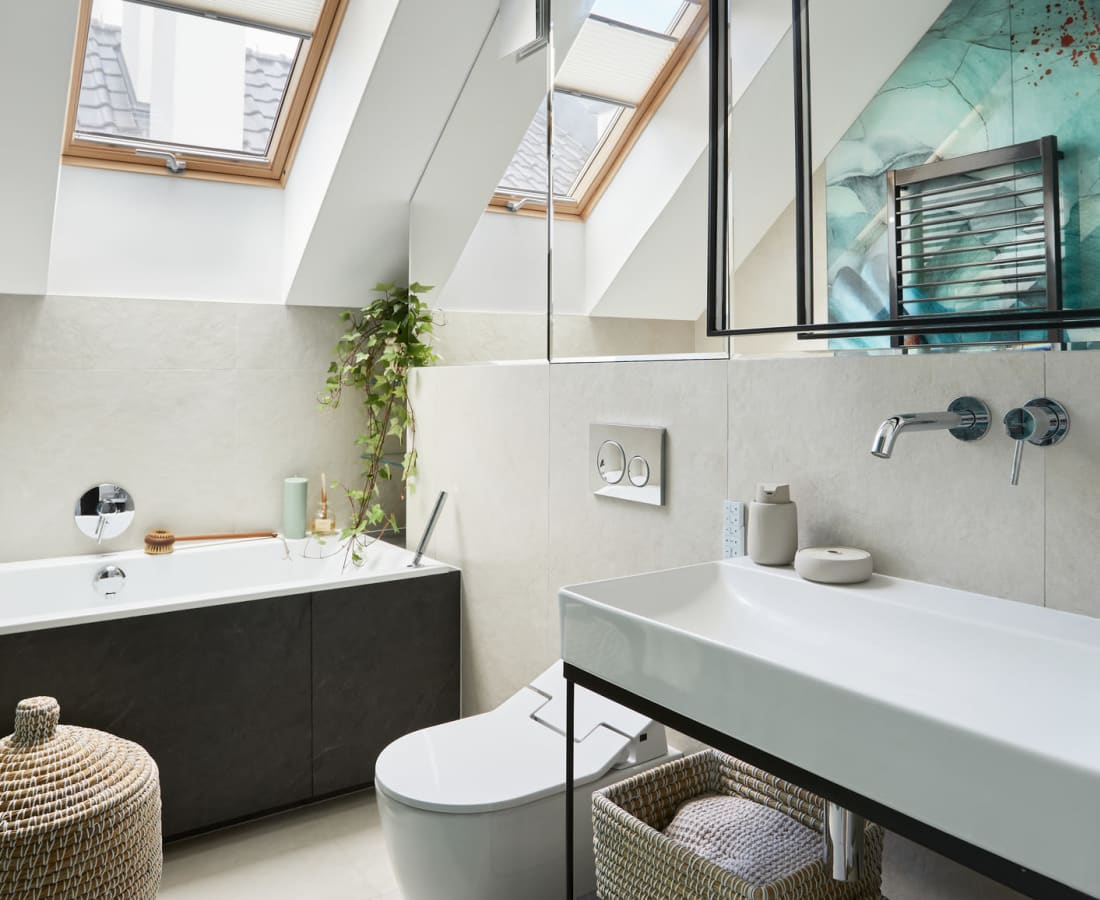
x,y
924,179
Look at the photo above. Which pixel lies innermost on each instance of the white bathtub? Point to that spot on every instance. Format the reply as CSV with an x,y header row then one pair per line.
x,y
49,593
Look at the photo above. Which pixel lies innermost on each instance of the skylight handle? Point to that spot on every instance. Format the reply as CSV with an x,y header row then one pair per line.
x,y
171,162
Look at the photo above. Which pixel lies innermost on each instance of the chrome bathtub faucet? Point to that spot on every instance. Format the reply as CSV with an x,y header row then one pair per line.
x,y
967,418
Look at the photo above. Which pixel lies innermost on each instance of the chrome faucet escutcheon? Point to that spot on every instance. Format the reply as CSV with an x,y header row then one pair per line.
x,y
1041,422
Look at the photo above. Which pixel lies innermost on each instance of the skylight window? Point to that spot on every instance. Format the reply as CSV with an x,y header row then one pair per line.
x,y
216,88
625,59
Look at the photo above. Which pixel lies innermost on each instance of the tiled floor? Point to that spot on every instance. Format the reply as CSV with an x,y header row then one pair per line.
x,y
331,851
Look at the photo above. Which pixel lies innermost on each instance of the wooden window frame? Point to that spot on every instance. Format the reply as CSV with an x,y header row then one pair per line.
x,y
273,172
616,148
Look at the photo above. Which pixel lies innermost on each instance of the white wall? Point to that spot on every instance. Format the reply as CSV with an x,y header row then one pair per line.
x,y
493,262
361,233
349,66
640,255
665,275
494,304
502,268
340,226
35,61
488,121
121,234
646,183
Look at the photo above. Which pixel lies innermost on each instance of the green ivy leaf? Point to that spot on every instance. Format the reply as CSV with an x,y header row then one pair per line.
x,y
383,341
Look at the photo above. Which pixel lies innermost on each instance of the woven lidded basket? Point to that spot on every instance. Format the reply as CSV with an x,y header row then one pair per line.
x,y
79,811
635,861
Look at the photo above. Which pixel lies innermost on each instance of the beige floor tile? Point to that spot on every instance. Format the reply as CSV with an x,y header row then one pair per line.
x,y
331,851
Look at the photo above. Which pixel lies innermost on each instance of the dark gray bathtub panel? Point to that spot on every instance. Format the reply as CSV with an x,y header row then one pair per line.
x,y
219,696
385,662
254,706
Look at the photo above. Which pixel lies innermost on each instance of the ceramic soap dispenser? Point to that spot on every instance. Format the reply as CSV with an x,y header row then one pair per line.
x,y
773,526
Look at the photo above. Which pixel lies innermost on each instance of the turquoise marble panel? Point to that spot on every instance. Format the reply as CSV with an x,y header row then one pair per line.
x,y
988,73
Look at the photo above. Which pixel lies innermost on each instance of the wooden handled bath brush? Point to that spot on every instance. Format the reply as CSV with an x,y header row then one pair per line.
x,y
160,542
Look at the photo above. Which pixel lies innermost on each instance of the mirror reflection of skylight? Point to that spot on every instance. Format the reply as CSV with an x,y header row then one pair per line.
x,y
582,125
612,66
173,79
653,15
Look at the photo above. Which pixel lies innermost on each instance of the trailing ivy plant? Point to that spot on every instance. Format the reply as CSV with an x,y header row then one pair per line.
x,y
382,343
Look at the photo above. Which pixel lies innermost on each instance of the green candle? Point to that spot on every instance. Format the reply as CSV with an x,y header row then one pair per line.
x,y
294,507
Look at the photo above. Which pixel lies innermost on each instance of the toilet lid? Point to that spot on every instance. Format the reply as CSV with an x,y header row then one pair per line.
x,y
498,760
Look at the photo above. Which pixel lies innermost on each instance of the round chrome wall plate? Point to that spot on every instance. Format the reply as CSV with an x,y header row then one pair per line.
x,y
979,427
104,511
1056,411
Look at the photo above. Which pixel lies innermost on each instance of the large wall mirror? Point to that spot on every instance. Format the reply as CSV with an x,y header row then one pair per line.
x,y
880,176
940,159
563,214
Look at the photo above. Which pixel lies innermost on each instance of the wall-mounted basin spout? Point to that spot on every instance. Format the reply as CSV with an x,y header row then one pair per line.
x,y
889,431
967,418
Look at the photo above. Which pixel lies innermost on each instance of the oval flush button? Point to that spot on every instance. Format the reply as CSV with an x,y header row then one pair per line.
x,y
638,471
611,461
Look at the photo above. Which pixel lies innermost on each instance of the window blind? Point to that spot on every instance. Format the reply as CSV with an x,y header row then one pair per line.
x,y
613,61
295,16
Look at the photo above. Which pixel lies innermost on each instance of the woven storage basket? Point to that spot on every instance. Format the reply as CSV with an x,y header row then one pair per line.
x,y
634,861
79,811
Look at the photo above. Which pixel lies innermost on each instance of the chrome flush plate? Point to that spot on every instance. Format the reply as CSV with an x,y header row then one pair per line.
x,y
627,462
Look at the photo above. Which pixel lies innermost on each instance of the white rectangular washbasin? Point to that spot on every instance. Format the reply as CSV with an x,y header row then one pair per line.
x,y
975,715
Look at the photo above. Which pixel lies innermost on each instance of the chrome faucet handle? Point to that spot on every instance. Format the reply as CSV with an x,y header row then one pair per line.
x,y
104,511
108,506
1041,422
1017,458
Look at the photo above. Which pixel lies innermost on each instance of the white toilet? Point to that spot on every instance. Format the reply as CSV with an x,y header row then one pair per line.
x,y
475,809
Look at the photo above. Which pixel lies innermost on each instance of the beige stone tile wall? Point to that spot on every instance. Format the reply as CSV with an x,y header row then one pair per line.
x,y
1071,511
598,537
472,338
483,437
199,409
939,510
